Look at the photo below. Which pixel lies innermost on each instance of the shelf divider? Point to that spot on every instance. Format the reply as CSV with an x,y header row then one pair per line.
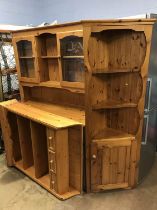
x,y
39,144
25,141
26,57
50,56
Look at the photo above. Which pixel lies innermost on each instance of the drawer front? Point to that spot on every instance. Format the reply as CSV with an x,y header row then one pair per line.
x,y
52,161
51,139
53,181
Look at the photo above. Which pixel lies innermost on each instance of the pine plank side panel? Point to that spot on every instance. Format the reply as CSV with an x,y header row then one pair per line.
x,y
86,35
75,135
62,157
14,135
8,144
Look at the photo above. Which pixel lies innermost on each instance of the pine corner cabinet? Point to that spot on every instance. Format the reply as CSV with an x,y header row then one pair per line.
x,y
84,87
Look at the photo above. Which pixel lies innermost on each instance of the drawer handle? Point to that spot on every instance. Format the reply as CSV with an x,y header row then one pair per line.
x,y
50,137
53,184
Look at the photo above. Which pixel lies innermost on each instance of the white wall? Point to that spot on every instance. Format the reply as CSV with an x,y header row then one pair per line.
x,y
70,10
21,12
24,12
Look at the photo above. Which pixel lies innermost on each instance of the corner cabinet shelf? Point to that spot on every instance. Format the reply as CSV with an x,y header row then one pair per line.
x,y
114,71
111,104
110,133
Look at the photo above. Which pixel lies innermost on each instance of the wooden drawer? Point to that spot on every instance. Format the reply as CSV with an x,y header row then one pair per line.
x,y
52,161
51,139
53,181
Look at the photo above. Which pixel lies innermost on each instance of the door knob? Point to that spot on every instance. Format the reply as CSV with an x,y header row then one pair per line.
x,y
94,156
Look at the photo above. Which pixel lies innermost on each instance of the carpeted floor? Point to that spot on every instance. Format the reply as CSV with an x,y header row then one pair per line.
x,y
17,192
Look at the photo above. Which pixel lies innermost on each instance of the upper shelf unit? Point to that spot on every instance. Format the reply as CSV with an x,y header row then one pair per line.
x,y
116,52
52,58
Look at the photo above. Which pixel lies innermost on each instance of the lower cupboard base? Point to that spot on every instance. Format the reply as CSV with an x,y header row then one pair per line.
x,y
98,188
44,181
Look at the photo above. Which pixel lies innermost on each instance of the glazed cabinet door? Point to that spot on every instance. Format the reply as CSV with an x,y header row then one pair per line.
x,y
71,58
26,59
110,165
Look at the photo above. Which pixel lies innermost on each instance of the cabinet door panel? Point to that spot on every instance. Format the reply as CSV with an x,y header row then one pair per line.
x,y
109,166
26,59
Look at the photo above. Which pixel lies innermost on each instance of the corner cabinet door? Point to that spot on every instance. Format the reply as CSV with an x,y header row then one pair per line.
x,y
26,59
110,165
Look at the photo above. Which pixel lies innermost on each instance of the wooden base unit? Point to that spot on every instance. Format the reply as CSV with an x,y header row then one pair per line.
x,y
84,92
44,181
46,154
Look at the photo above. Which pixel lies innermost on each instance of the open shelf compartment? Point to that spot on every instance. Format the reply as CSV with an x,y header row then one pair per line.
x,y
115,51
116,91
112,134
48,57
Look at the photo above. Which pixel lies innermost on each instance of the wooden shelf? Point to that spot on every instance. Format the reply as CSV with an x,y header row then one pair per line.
x,y
44,117
111,104
44,181
63,85
112,71
26,57
54,84
73,56
50,56
61,110
112,134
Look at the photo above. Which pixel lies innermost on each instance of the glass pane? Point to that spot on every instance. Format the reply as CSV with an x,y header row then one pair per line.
x,y
71,46
24,48
27,67
72,67
73,70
